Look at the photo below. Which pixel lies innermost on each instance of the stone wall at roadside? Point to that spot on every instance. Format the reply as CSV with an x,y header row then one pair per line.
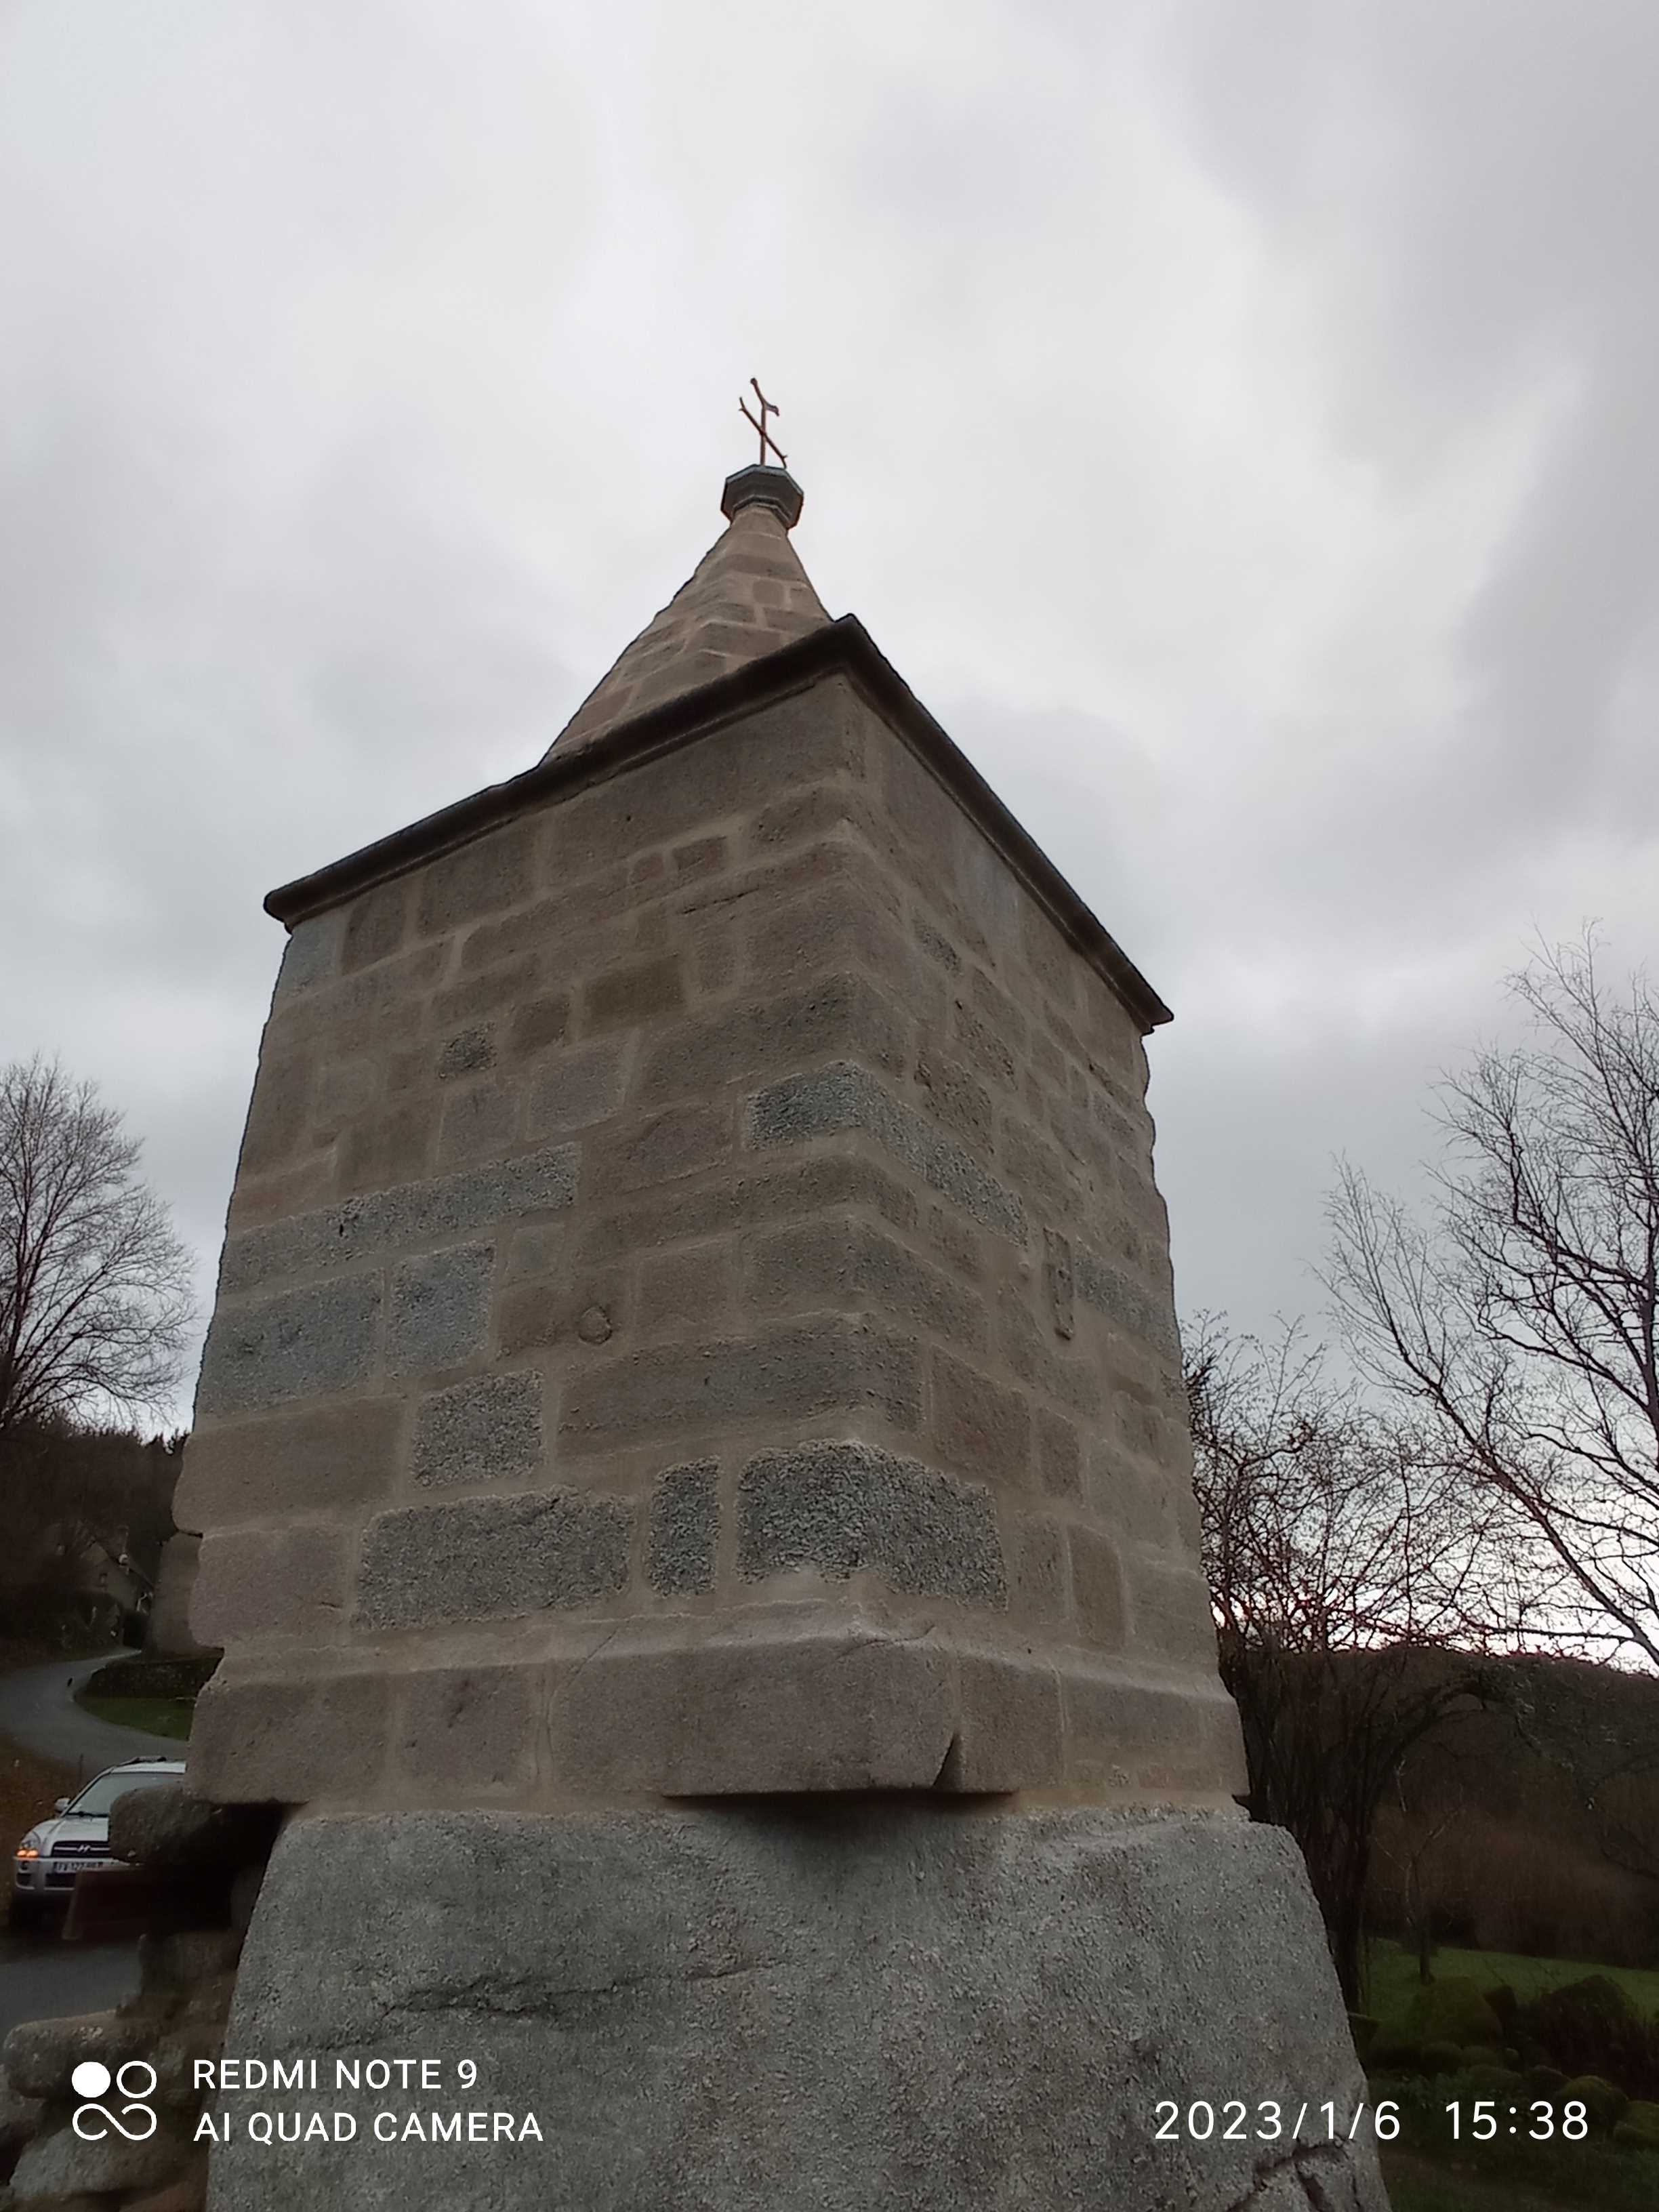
x,y
193,1878
167,1633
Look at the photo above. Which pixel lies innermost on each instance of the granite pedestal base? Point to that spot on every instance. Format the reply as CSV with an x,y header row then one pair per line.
x,y
862,2006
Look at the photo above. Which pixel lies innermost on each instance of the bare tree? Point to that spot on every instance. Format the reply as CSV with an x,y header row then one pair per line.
x,y
94,1287
1418,1836
1598,1729
1345,1572
1522,1320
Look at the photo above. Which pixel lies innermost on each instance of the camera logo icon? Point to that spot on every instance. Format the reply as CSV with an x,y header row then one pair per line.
x,y
135,2080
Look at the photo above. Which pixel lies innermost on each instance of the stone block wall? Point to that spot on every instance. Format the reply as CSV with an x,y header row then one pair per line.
x,y
696,1317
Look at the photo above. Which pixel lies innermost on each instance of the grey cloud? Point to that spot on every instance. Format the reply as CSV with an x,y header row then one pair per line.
x,y
1231,420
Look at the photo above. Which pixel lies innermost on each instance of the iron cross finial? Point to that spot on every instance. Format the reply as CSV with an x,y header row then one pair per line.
x,y
767,407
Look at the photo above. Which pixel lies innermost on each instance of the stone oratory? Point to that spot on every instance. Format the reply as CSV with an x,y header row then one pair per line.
x,y
693,1486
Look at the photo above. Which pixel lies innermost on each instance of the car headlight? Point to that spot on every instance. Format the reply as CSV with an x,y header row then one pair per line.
x,y
30,1846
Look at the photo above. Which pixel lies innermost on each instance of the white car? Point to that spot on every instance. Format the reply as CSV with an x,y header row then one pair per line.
x,y
50,1858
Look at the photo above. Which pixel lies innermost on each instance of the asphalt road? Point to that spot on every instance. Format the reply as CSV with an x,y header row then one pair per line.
x,y
42,1977
38,1712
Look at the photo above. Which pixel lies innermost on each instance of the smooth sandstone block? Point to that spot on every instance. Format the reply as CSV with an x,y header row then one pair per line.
x,y
288,1464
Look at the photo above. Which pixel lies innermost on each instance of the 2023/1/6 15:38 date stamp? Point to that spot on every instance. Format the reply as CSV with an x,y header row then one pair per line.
x,y
1485,2119
1481,2119
1234,2119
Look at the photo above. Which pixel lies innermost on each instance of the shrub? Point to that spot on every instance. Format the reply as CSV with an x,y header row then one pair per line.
x,y
1454,2011
1500,2083
152,1678
1393,2052
1442,2058
1603,2100
1591,2028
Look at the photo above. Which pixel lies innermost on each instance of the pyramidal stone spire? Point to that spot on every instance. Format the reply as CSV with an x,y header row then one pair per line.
x,y
747,596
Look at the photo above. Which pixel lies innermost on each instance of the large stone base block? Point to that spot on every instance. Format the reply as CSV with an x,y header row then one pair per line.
x,y
796,2007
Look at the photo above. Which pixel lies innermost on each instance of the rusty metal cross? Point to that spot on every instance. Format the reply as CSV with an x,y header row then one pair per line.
x,y
767,407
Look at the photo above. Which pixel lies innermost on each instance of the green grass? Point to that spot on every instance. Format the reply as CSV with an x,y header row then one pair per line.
x,y
1392,1977
1415,2185
169,1717
1427,2171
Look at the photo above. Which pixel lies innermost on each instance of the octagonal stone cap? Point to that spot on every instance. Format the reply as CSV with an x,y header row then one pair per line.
x,y
756,486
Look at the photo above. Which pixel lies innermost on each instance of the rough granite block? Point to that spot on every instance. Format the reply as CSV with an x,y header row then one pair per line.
x,y
306,1344
467,1053
479,1431
782,2009
440,1310
1111,1292
684,1533
491,1558
843,1508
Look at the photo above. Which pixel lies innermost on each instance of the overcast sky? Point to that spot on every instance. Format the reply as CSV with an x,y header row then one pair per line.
x,y
1232,417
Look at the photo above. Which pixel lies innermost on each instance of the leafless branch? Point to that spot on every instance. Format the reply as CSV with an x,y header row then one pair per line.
x,y
94,1287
